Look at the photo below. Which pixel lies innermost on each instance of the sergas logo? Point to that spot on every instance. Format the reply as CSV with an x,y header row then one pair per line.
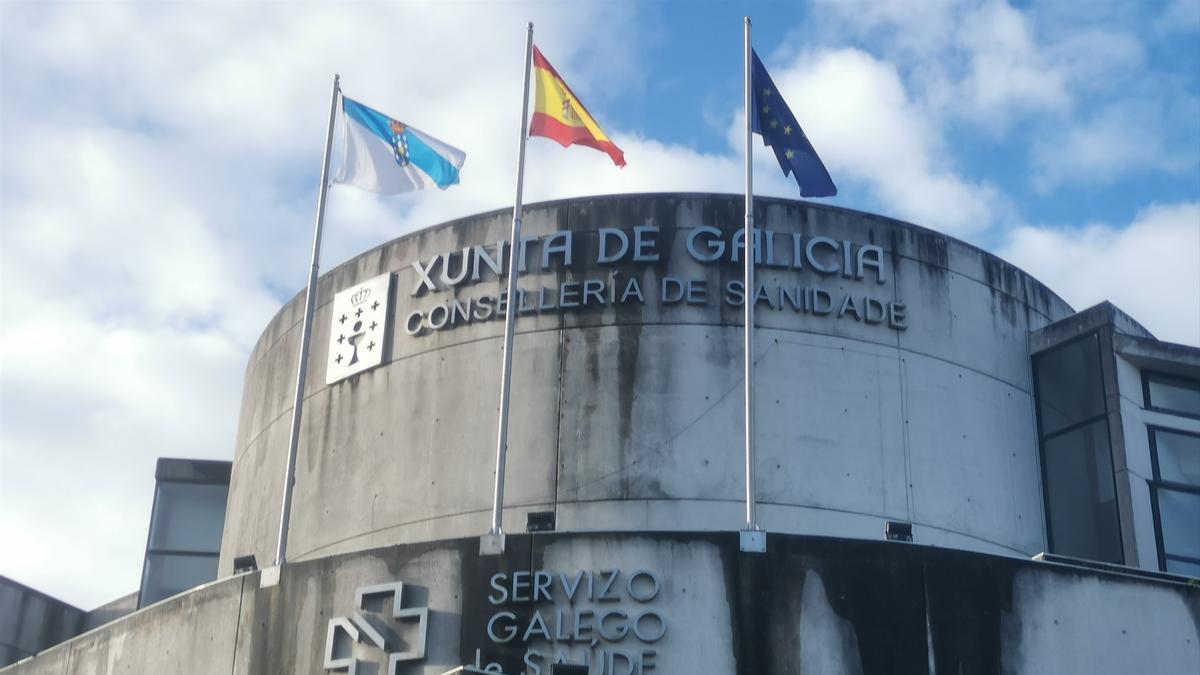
x,y
378,625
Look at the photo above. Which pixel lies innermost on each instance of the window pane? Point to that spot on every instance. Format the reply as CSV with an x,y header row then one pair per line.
x,y
168,574
1176,394
188,516
1081,500
1183,567
1179,515
1178,456
1070,388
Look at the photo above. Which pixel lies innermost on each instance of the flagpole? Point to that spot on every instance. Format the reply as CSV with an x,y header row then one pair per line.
x,y
752,538
493,542
310,297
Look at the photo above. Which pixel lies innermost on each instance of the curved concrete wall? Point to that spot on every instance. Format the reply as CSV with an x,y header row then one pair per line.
x,y
808,606
627,415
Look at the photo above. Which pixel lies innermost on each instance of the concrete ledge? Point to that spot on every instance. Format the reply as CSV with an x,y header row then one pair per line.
x,y
808,604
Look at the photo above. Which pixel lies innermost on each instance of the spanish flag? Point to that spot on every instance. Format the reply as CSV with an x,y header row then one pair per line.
x,y
558,114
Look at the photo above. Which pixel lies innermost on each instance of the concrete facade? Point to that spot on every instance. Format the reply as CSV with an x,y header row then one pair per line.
x,y
895,380
627,415
809,605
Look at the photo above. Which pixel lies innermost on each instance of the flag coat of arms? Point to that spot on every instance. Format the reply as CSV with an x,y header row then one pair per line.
x,y
558,114
387,156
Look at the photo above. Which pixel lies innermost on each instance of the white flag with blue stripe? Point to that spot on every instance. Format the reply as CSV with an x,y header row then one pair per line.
x,y
387,156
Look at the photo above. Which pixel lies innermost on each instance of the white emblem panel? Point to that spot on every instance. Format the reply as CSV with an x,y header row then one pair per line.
x,y
358,328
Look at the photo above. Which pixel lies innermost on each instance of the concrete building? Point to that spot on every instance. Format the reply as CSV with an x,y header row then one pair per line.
x,y
1037,468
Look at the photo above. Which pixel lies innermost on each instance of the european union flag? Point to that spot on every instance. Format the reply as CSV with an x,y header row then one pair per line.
x,y
778,126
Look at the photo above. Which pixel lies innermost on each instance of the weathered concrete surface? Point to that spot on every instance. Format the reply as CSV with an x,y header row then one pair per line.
x,y
285,627
809,605
628,415
53,661
1118,629
191,633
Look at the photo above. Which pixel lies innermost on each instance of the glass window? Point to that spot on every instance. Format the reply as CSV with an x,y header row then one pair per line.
x,y
1176,490
184,542
1179,517
1178,456
1081,500
188,516
1184,567
170,573
1070,388
1173,394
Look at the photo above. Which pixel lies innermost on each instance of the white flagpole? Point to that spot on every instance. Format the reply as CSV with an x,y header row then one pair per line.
x,y
310,297
752,538
493,542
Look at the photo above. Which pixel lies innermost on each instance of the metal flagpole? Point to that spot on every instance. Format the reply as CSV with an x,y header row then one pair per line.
x,y
752,539
310,297
493,542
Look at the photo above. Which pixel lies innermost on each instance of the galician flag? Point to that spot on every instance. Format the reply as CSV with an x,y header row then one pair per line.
x,y
388,156
558,114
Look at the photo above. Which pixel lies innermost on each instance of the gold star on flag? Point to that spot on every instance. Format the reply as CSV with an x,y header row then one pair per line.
x,y
766,109
789,154
774,123
767,92
787,131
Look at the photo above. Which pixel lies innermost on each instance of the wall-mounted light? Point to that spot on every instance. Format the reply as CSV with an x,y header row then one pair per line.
x,y
539,521
898,531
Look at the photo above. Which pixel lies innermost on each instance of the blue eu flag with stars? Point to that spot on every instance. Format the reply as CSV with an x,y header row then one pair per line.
x,y
782,133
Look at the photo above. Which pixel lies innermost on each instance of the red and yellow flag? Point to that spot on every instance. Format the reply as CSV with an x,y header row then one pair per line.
x,y
558,114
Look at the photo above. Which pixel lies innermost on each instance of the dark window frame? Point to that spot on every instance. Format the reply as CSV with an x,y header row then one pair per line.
x,y
1042,436
1157,482
1177,380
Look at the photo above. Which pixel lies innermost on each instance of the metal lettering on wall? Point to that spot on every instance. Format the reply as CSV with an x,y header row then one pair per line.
x,y
808,275
378,627
819,258
358,328
603,619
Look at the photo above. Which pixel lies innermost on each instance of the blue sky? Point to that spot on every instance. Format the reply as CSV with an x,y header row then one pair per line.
x,y
158,165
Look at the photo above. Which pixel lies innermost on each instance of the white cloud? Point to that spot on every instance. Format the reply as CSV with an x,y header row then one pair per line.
x,y
1150,268
1006,69
1070,87
979,61
1179,16
863,123
1118,140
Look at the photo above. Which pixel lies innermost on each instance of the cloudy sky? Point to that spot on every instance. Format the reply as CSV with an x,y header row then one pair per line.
x,y
158,168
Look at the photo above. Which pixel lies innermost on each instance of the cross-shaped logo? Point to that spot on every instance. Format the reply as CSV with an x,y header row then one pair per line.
x,y
382,614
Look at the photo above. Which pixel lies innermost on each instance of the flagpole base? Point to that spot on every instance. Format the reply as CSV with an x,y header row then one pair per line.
x,y
752,541
491,543
268,577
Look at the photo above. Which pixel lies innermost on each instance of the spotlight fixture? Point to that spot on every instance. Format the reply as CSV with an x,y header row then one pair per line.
x,y
898,531
539,521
